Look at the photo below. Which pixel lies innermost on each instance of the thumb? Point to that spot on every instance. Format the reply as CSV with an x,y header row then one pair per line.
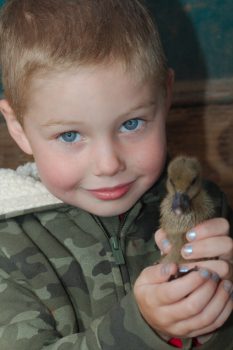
x,y
156,274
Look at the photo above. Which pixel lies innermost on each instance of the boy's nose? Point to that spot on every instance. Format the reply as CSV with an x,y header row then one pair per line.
x,y
108,160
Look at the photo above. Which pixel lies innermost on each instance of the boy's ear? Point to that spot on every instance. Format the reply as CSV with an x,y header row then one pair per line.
x,y
14,127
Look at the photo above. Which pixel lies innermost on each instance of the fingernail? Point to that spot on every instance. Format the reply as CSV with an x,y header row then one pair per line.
x,y
165,243
227,285
188,249
165,269
191,235
215,277
204,273
183,269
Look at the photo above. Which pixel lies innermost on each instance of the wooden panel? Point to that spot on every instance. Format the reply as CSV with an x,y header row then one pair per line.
x,y
10,155
216,91
205,132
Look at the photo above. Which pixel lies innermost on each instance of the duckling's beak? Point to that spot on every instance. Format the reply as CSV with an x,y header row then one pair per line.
x,y
181,203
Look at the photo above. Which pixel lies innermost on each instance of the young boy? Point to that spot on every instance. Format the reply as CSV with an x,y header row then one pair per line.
x,y
87,91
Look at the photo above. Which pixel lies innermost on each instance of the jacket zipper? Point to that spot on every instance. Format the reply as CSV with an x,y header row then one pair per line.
x,y
116,250
114,242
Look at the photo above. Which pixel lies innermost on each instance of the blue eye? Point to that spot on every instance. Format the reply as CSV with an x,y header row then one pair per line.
x,y
70,137
131,125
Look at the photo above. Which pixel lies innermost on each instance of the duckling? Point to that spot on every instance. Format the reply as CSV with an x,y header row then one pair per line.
x,y
185,205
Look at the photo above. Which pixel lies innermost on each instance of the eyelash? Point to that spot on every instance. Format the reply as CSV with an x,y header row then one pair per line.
x,y
135,124
69,133
139,124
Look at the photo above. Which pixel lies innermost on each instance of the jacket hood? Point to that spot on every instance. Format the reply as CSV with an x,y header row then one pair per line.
x,y
21,191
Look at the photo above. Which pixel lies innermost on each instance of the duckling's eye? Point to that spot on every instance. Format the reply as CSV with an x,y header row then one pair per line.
x,y
194,180
171,182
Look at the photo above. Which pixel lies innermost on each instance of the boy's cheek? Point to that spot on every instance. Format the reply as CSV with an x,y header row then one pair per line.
x,y
155,156
55,177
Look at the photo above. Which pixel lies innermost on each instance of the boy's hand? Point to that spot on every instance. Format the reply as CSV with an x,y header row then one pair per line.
x,y
189,306
209,239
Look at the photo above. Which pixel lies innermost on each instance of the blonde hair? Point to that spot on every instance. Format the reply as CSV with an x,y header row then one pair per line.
x,y
49,35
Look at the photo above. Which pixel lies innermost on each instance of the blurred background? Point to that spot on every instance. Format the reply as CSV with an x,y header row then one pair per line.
x,y
197,36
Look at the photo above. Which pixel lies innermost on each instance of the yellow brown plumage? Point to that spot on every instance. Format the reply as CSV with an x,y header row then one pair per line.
x,y
185,205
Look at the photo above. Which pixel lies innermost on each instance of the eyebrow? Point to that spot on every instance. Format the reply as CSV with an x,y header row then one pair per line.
x,y
54,122
141,106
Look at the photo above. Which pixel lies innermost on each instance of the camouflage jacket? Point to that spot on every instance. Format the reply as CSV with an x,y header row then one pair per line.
x,y
66,278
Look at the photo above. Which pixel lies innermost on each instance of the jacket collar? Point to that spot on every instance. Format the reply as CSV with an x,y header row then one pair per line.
x,y
21,191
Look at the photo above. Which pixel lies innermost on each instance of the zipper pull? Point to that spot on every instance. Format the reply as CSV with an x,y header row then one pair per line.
x,y
117,251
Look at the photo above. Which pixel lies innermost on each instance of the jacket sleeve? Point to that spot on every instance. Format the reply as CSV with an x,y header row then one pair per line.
x,y
34,314
27,324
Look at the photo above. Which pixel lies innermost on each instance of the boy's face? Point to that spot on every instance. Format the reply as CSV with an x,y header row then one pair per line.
x,y
98,137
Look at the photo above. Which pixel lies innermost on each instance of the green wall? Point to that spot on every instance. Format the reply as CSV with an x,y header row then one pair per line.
x,y
197,36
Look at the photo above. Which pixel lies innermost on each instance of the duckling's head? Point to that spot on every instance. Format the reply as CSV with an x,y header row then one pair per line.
x,y
183,182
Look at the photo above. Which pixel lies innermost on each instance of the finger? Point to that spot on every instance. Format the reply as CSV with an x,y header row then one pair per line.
x,y
156,274
174,291
208,316
221,319
209,248
162,241
209,228
218,310
223,268
194,303
180,329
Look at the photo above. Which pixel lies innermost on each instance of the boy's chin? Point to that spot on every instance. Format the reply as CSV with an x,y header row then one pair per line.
x,y
108,209
108,212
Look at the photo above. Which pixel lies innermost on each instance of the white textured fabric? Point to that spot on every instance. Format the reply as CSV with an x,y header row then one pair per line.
x,y
22,190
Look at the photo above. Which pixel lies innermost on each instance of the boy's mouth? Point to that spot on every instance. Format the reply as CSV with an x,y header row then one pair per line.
x,y
111,193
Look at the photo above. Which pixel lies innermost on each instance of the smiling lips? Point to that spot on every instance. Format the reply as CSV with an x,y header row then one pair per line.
x,y
111,193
